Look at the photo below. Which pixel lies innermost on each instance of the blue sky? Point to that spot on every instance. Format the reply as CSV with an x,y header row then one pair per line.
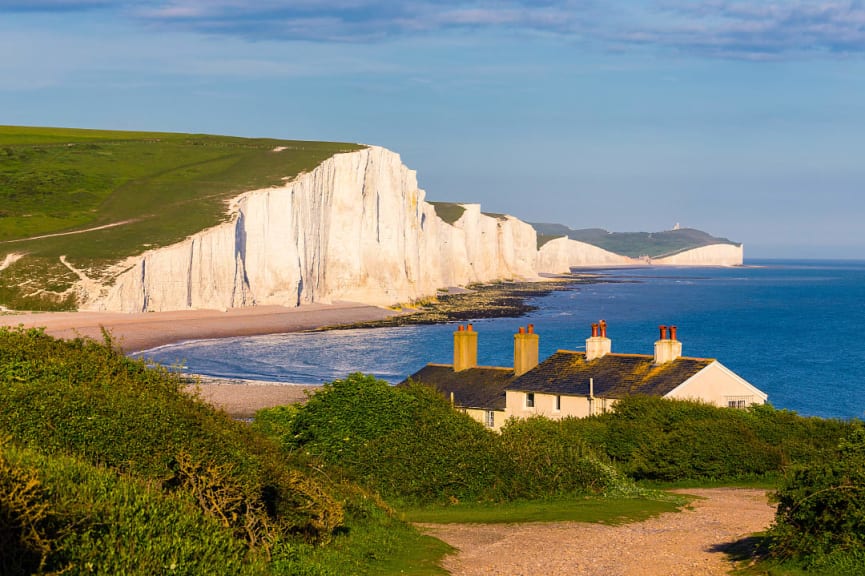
x,y
744,119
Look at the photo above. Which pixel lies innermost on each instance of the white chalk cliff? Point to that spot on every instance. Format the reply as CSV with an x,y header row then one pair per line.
x,y
354,228
712,255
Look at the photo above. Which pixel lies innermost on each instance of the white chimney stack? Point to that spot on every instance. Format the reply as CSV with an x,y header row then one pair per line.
x,y
598,345
669,348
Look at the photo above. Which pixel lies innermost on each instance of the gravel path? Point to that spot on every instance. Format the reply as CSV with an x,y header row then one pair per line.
x,y
687,543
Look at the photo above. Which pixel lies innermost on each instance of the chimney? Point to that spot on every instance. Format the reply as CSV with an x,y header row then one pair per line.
x,y
465,348
667,349
598,345
525,350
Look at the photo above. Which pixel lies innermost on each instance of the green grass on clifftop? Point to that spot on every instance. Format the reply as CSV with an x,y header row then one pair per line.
x,y
155,188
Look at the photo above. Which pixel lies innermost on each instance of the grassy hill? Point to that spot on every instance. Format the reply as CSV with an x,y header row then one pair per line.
x,y
150,189
633,244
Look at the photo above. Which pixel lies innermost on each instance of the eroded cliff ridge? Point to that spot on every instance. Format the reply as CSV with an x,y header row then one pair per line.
x,y
357,227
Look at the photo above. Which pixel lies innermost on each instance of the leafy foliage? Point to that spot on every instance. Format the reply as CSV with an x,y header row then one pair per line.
x,y
668,440
84,398
820,520
409,443
60,514
547,458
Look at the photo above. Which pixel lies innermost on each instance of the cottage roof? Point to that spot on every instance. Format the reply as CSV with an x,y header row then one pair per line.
x,y
481,387
614,375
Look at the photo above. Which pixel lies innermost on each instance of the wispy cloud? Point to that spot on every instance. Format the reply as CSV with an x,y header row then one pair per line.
x,y
52,5
767,30
772,29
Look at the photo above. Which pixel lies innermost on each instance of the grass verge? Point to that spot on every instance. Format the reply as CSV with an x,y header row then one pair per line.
x,y
597,510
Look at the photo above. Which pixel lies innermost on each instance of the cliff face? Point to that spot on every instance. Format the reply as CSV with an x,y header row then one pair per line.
x,y
713,255
355,228
559,255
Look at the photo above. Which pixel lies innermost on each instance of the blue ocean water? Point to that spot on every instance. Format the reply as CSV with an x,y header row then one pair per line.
x,y
795,329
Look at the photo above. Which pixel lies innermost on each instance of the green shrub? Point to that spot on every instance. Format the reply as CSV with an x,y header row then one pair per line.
x,y
549,457
438,455
404,442
60,514
820,520
410,444
84,398
659,439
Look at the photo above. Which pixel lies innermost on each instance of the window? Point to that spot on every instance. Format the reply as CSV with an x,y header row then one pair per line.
x,y
739,401
530,399
557,406
491,419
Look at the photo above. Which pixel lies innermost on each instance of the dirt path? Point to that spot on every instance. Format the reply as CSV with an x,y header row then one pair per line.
x,y
56,234
687,543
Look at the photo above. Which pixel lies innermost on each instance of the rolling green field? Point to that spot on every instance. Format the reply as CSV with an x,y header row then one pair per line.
x,y
151,189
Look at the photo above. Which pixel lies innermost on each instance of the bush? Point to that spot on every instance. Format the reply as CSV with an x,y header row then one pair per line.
x,y
84,398
659,439
549,457
409,443
60,514
438,455
820,519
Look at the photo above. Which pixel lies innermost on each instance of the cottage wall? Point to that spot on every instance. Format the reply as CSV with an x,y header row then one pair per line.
x,y
483,416
716,384
545,405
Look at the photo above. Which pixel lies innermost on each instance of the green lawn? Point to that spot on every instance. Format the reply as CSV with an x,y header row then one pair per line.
x,y
598,510
165,186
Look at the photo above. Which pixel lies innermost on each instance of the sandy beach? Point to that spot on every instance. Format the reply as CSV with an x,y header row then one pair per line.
x,y
241,399
136,332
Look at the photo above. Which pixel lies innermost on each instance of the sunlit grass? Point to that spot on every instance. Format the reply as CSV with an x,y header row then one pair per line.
x,y
597,510
163,187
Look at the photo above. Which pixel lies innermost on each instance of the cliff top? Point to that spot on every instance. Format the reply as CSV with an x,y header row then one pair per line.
x,y
633,244
102,196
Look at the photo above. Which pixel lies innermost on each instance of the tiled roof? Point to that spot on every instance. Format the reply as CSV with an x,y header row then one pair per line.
x,y
481,387
614,375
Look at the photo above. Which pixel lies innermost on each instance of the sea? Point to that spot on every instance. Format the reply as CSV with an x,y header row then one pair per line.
x,y
793,328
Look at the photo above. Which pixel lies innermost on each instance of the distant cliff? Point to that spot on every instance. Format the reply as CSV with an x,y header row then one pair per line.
x,y
356,228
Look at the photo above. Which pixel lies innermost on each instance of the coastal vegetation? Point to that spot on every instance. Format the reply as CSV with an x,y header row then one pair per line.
x,y
119,194
98,449
106,465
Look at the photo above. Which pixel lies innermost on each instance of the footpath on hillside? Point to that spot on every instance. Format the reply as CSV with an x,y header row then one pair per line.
x,y
687,543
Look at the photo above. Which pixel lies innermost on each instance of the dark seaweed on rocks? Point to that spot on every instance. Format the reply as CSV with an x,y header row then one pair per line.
x,y
495,300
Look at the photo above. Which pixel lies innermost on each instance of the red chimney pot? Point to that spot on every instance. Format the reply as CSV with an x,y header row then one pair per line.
x,y
663,330
603,324
468,327
522,330
594,330
460,328
531,328
672,332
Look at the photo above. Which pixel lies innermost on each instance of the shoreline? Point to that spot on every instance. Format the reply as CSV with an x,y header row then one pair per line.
x,y
137,332
240,398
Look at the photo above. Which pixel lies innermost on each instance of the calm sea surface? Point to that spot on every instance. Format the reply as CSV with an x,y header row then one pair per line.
x,y
795,329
